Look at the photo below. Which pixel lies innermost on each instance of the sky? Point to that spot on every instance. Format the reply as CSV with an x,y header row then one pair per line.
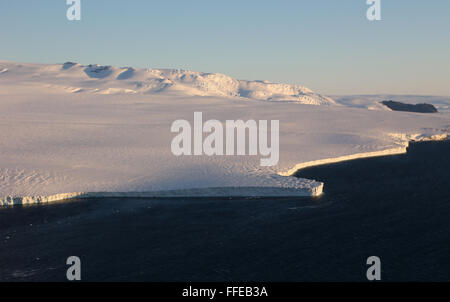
x,y
326,45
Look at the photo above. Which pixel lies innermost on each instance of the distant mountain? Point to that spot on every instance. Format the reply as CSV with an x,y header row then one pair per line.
x,y
77,78
398,106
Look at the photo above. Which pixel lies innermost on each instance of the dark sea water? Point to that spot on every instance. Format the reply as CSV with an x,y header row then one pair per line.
x,y
396,208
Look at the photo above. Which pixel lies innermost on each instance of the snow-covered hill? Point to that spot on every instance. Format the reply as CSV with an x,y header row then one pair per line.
x,y
372,102
77,78
70,130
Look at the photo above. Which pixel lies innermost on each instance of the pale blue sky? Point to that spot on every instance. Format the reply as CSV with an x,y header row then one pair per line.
x,y
327,45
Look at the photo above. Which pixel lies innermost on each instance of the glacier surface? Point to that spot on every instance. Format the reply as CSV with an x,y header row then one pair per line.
x,y
68,130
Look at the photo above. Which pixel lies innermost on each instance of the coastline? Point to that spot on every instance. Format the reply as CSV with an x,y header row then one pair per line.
x,y
371,207
386,152
199,192
244,191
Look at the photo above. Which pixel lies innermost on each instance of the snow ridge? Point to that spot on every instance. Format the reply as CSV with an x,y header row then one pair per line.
x,y
94,78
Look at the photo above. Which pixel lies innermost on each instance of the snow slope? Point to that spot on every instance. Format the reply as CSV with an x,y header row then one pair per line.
x,y
372,102
71,130
99,79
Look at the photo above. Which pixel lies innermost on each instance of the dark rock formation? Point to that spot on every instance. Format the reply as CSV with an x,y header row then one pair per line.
x,y
422,108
